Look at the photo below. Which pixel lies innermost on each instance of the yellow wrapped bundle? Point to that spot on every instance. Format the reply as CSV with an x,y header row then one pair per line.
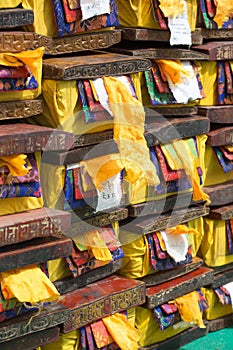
x,y
216,309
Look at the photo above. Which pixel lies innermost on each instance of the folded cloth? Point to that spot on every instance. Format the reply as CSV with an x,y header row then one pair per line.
x,y
226,164
31,189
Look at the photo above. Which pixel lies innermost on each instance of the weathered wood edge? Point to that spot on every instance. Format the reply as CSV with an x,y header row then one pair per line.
x,y
70,284
20,109
18,41
221,213
11,18
220,323
220,137
220,194
84,42
221,279
218,114
170,290
163,276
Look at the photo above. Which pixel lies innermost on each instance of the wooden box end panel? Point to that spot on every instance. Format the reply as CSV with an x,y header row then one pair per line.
x,y
22,41
12,18
217,50
103,298
20,109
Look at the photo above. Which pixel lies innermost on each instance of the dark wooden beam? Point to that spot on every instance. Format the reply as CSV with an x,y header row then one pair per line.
x,y
103,298
92,66
84,41
220,137
220,194
221,213
20,109
217,50
26,138
220,323
218,114
36,223
34,251
11,18
175,288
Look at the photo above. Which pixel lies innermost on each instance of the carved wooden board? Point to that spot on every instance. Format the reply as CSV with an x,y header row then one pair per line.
x,y
164,130
162,206
221,279
217,50
220,323
32,341
84,42
174,111
26,138
20,109
220,194
159,52
221,213
152,223
92,66
32,224
70,284
81,225
24,325
221,269
103,298
164,276
11,18
34,251
216,34
220,137
218,114
81,153
141,34
179,340
175,288
21,41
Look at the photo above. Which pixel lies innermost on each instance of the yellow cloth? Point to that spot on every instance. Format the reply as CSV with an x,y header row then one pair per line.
x,y
20,204
58,269
27,284
97,245
134,157
173,69
136,261
149,327
15,164
195,240
214,173
181,229
214,247
69,341
229,148
171,8
208,73
122,332
224,10
189,309
216,309
139,13
31,58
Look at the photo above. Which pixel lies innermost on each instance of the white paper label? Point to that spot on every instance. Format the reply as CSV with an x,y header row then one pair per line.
x,y
180,29
102,94
176,245
91,8
111,194
229,288
188,88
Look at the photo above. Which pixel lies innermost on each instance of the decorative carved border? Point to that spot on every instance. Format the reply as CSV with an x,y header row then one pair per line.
x,y
22,41
10,18
20,109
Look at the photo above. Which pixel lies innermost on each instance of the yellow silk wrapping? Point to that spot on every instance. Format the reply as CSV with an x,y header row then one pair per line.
x,y
122,332
149,327
20,204
195,240
69,341
214,173
171,8
173,69
27,284
224,10
216,309
15,164
93,241
31,58
208,73
58,269
139,13
181,229
189,309
214,247
134,157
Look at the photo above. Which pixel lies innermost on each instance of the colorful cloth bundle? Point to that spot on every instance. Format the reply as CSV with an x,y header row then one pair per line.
x,y
223,157
16,78
216,14
68,18
94,98
223,295
225,82
27,185
171,82
85,258
168,315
